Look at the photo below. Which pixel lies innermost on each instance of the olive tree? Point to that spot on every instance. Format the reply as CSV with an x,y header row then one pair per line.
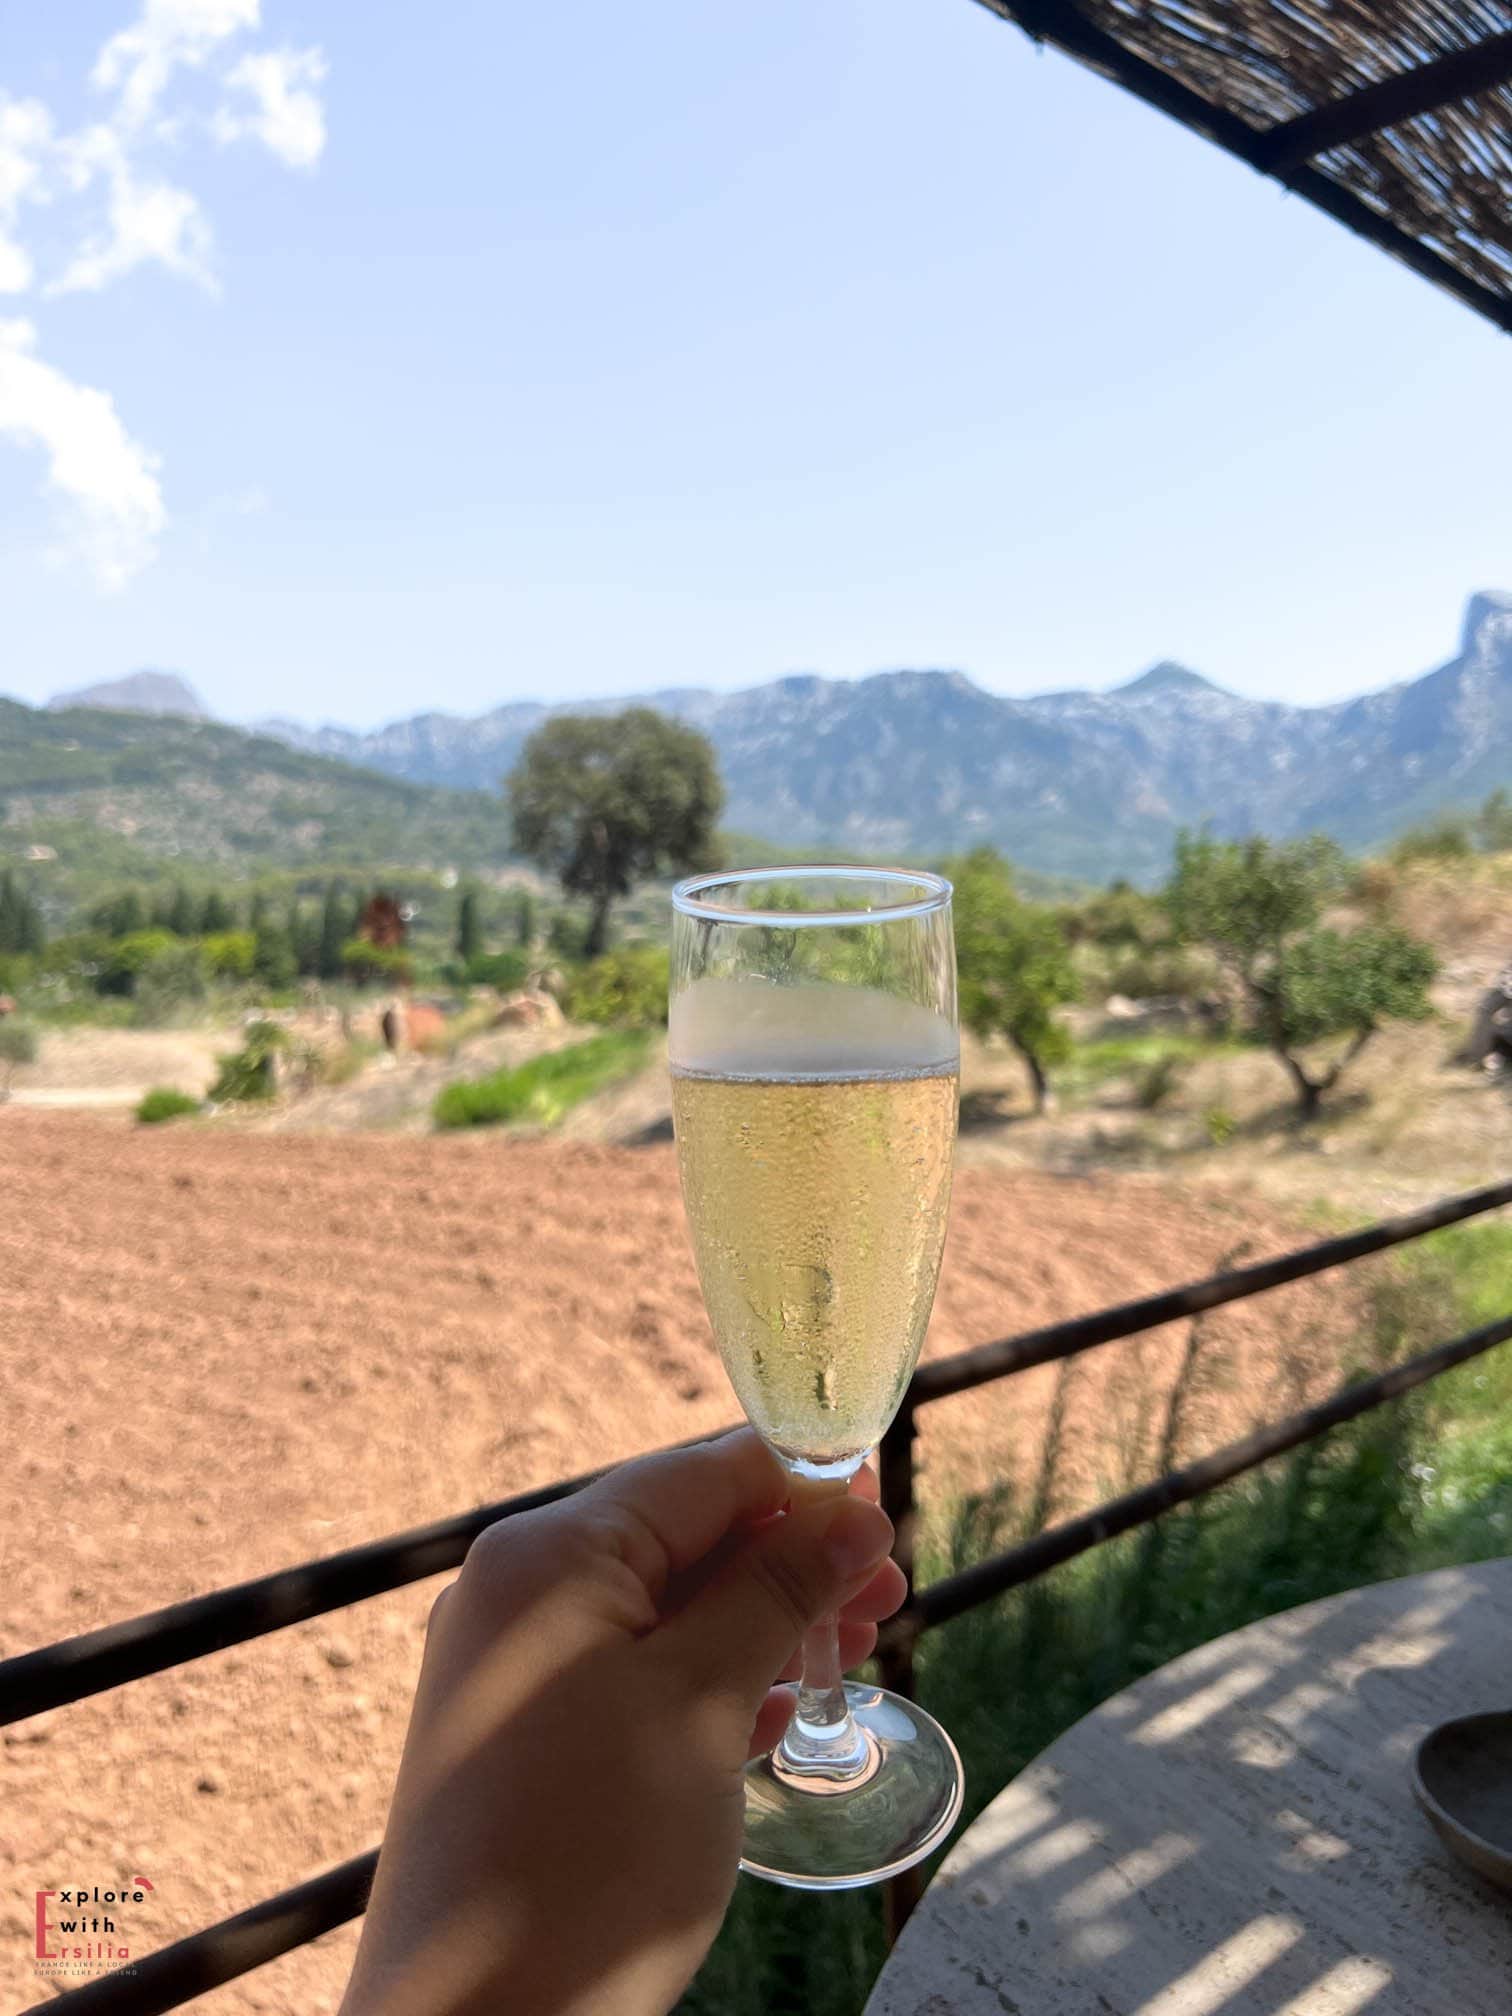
x,y
600,800
1015,966
1257,904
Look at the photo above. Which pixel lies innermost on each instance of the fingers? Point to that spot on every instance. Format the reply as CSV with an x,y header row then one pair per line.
x,y
864,1484
772,1719
857,1644
860,1616
737,1633
674,1509
877,1598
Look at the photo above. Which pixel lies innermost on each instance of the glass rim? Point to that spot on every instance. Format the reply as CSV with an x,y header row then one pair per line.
x,y
689,897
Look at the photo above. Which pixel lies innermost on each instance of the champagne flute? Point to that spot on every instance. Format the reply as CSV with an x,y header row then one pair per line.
x,y
815,1067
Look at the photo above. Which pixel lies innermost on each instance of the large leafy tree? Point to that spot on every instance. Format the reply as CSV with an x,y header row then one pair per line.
x,y
1257,904
1015,966
601,800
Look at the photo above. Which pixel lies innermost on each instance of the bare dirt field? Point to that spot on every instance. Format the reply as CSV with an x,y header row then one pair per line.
x,y
100,1067
227,1351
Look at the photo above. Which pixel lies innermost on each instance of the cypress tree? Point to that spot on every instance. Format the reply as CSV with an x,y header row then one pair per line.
x,y
33,927
333,933
119,916
217,915
305,936
182,918
10,913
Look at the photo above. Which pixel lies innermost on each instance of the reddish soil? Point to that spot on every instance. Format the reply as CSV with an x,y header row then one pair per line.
x,y
228,1352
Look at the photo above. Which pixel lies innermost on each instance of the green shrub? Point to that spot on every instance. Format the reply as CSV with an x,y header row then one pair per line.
x,y
1118,917
125,961
1220,1125
1446,838
165,979
626,989
250,1073
154,970
18,1045
16,971
544,1089
367,965
505,970
76,960
229,954
567,935
165,1102
1146,972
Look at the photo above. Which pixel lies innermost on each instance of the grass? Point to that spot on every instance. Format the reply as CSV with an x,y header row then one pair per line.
x,y
1093,1064
1421,1483
165,1102
541,1091
87,1011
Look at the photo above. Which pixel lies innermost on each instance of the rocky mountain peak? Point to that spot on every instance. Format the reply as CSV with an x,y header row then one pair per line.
x,y
138,693
1166,677
1488,621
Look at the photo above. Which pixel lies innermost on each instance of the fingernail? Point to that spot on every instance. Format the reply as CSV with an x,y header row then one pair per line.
x,y
857,1537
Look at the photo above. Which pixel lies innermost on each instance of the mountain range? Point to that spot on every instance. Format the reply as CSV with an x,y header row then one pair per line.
x,y
1090,784
114,795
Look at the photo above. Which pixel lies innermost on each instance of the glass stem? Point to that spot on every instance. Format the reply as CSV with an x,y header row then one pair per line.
x,y
822,1738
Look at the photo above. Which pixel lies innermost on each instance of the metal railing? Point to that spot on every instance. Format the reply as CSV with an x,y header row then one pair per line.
x,y
76,1668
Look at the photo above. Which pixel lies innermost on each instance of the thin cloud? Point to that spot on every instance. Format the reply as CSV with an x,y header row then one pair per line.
x,y
106,482
287,115
138,63
147,221
25,137
126,214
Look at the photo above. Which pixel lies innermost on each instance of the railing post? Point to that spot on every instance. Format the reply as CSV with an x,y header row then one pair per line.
x,y
895,1466
895,1654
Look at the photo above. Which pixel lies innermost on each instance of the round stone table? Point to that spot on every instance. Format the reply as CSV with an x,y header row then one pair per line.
x,y
1236,1835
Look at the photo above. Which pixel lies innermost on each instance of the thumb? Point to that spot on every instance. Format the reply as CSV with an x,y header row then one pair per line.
x,y
743,1627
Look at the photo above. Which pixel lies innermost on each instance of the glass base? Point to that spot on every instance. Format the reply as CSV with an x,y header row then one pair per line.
x,y
816,1831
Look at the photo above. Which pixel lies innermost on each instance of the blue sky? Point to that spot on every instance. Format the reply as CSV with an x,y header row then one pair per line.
x,y
360,359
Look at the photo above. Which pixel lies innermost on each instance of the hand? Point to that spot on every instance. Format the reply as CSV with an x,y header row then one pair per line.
x,y
566,1826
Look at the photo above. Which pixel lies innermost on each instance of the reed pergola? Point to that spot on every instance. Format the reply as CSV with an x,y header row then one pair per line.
x,y
1394,116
